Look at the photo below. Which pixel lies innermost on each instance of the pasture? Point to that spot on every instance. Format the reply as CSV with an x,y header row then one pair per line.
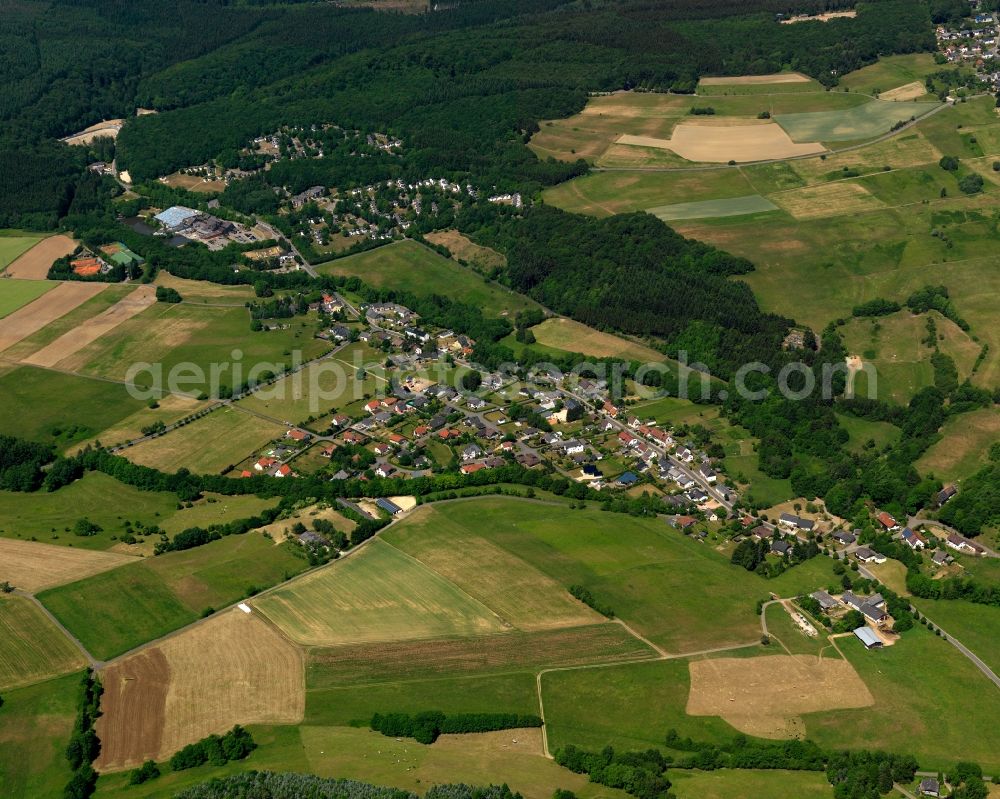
x,y
929,701
231,669
888,73
74,408
35,725
743,784
117,611
30,257
50,516
566,334
660,582
410,267
32,648
191,336
17,294
867,121
168,410
209,445
830,199
963,447
32,566
861,431
376,594
976,626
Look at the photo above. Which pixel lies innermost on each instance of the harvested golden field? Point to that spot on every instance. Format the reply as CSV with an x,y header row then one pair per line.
x,y
231,669
753,80
63,348
908,91
766,696
566,334
33,566
35,263
829,199
719,140
376,594
32,648
107,128
47,308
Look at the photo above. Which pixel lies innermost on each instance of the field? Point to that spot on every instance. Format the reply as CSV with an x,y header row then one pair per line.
x,y
726,784
974,625
35,725
831,199
703,209
378,594
854,124
31,260
565,334
520,595
200,291
17,294
115,612
195,336
862,431
482,259
231,669
60,351
718,140
963,447
210,445
767,696
194,183
33,317
170,409
889,73
50,516
32,566
15,242
410,267
32,649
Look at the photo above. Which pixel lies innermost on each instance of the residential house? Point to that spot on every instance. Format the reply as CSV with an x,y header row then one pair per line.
x,y
887,521
866,555
941,558
264,464
914,539
298,435
782,548
793,522
472,468
471,452
929,787
385,470
283,471
945,494
762,532
844,538
628,479
960,544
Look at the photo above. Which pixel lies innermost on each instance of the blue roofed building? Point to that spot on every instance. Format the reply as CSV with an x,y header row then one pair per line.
x,y
176,216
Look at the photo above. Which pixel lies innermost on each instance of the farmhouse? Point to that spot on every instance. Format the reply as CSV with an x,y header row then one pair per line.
x,y
868,638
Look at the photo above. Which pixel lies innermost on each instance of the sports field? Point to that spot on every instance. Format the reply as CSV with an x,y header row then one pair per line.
x,y
853,124
377,594
566,334
119,610
411,267
50,516
963,447
32,648
209,445
705,209
231,669
17,294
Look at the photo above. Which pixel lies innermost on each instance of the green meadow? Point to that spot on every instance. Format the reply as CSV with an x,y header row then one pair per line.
x,y
411,267
14,243
16,294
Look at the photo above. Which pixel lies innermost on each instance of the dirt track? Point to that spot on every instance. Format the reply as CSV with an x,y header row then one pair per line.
x,y
75,340
34,264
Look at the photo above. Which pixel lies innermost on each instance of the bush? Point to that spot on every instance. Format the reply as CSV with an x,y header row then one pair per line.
x,y
948,163
971,184
146,772
164,294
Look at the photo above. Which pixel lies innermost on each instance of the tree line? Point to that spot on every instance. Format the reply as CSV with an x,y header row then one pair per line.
x,y
427,726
